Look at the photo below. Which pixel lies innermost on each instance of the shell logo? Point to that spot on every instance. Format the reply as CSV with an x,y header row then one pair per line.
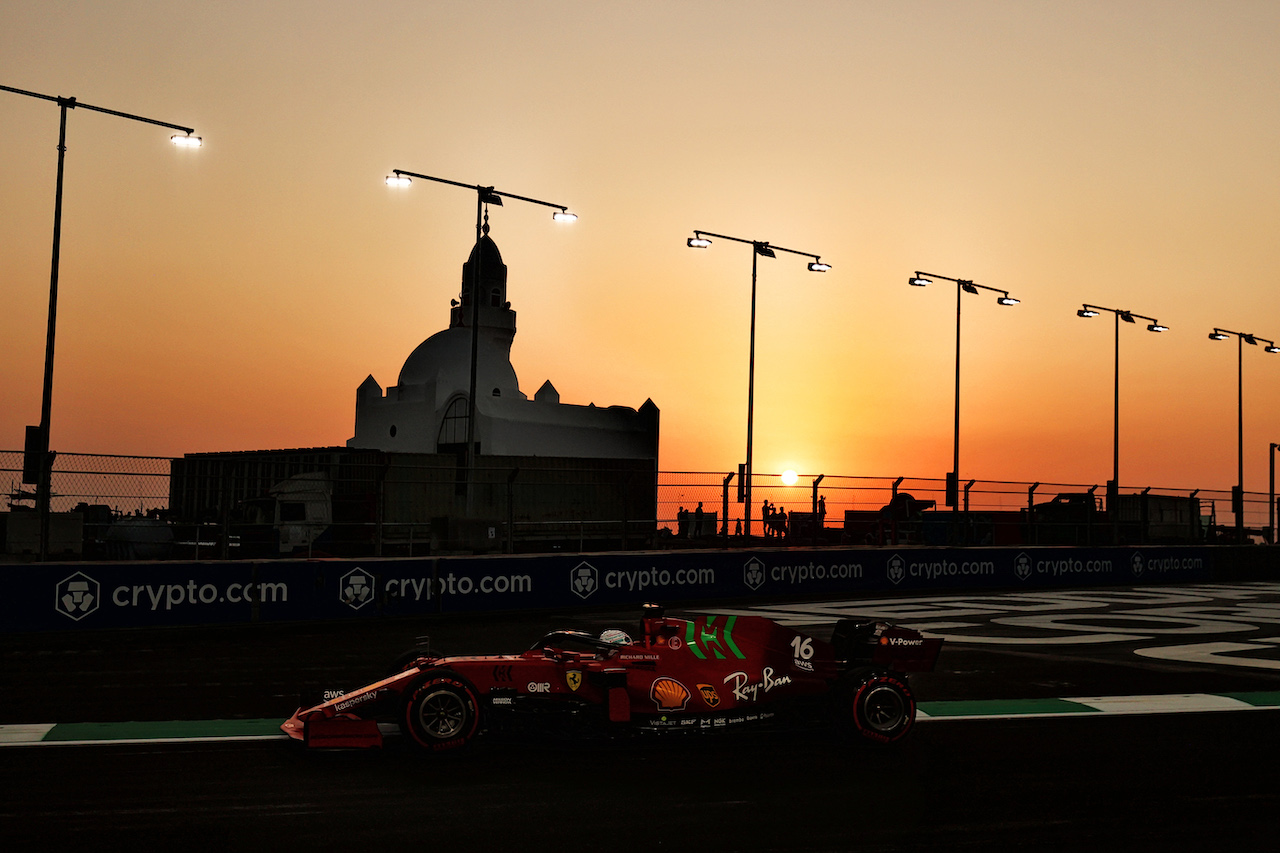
x,y
669,694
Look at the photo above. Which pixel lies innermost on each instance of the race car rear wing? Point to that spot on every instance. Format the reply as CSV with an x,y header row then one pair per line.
x,y
883,644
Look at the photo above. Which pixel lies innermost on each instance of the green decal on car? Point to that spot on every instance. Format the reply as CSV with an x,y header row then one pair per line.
x,y
713,638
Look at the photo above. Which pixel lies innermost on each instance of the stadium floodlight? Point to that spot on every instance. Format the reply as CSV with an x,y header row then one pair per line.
x,y
759,249
36,451
963,285
485,196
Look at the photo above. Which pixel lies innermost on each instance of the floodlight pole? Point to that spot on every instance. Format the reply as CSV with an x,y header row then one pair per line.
x,y
1271,495
921,279
759,248
484,195
1113,487
44,459
1242,338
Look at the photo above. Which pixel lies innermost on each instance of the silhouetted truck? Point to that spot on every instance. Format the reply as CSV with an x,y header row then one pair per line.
x,y
1159,519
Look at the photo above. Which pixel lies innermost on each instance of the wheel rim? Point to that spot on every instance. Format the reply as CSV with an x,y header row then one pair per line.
x,y
884,708
442,714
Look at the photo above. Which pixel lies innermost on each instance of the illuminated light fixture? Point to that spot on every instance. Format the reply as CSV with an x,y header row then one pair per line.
x,y
38,459
1113,485
963,286
564,216
759,249
1237,491
485,195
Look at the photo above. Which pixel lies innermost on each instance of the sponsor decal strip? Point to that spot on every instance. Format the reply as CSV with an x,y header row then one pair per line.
x,y
1176,703
190,731
174,731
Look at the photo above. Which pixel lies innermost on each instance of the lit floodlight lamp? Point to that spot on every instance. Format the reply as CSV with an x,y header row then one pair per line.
x,y
699,242
187,141
763,250
564,216
1086,312
819,266
918,280
1273,349
1127,317
967,286
1007,300
398,181
1156,327
1215,335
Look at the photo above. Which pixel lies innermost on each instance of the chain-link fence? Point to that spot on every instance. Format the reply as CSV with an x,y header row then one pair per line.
x,y
881,510
351,502
126,484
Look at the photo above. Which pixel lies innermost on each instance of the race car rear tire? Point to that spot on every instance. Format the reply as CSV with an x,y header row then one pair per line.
x,y
440,713
883,708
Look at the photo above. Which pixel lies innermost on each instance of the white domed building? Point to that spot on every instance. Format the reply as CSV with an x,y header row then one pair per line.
x,y
426,410
546,474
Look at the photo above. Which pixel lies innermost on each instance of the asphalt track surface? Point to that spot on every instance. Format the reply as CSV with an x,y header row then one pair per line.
x,y
1204,780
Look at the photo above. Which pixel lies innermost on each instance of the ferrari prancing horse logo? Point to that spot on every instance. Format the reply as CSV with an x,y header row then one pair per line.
x,y
574,679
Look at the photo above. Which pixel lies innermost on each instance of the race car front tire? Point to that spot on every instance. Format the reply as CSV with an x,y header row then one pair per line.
x,y
883,708
440,713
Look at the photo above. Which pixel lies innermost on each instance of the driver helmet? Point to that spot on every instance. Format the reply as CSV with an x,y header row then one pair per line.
x,y
613,635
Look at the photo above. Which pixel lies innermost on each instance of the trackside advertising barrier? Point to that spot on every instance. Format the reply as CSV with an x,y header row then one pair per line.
x,y
95,596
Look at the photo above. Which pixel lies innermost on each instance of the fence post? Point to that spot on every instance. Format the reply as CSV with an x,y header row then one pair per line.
x,y
1093,506
511,511
817,522
1033,532
724,505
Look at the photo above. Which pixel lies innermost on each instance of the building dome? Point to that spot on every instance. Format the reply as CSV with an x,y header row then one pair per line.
x,y
444,359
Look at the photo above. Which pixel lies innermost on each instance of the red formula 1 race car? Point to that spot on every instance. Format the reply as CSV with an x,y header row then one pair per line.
x,y
705,673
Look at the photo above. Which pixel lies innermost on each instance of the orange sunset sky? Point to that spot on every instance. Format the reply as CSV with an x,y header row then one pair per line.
x,y
233,297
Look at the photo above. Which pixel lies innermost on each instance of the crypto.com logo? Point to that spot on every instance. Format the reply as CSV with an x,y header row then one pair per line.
x,y
753,574
1136,562
356,588
77,596
1022,567
896,569
584,580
